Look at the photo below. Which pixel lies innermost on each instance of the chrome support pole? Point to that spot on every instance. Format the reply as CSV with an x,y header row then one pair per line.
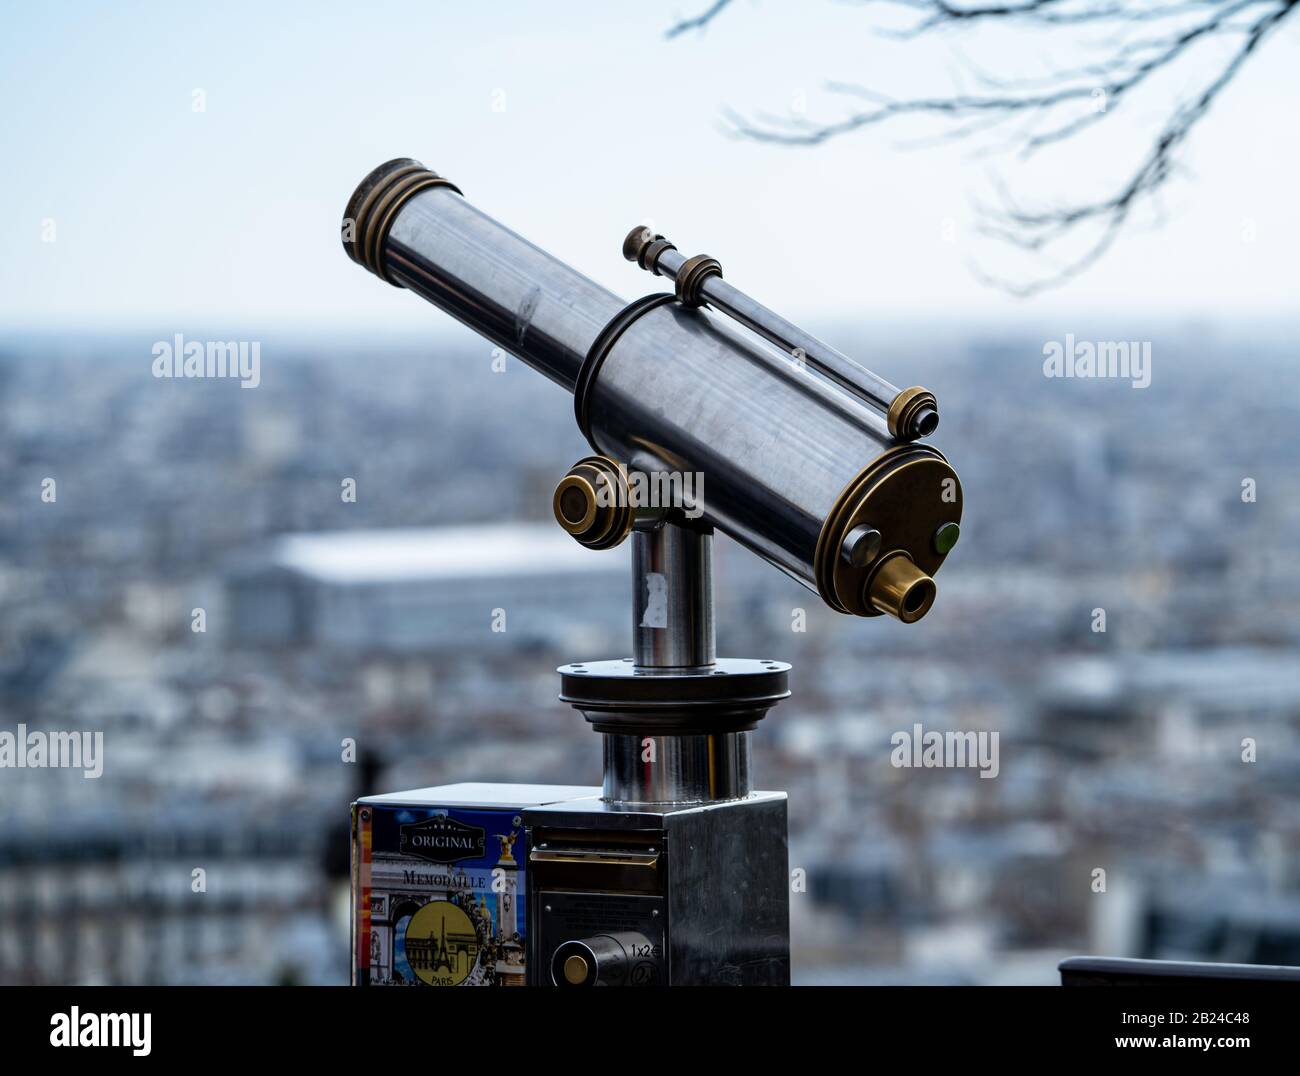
x,y
672,598
672,631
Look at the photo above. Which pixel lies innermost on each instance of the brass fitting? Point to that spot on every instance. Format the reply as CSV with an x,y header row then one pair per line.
x,y
594,503
913,414
375,205
898,587
693,273
888,533
644,247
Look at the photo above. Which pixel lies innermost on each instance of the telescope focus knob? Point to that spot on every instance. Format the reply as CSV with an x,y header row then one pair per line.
x,y
593,502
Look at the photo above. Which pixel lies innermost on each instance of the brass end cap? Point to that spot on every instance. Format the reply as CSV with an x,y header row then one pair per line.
x,y
593,502
644,247
374,206
913,414
898,588
907,501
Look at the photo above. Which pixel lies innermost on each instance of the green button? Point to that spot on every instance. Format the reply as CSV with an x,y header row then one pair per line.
x,y
946,537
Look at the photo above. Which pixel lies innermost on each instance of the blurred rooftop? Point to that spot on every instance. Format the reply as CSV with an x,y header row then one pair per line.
x,y
430,553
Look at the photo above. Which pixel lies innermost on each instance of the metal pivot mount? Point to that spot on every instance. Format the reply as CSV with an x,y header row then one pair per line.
x,y
675,718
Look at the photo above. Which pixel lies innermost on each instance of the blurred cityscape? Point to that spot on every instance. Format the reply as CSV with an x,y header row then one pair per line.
x,y
348,647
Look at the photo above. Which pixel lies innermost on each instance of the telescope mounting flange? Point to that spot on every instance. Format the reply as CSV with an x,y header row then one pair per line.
x,y
731,695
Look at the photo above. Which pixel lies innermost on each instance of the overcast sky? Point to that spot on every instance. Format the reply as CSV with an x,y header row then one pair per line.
x,y
570,122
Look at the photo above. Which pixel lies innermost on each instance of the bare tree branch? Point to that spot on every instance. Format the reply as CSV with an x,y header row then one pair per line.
x,y
1042,228
1130,62
699,22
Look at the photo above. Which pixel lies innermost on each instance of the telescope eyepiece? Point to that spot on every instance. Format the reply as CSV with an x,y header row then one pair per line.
x,y
900,589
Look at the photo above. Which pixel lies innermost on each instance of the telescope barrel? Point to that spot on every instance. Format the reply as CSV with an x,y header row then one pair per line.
x,y
786,462
415,230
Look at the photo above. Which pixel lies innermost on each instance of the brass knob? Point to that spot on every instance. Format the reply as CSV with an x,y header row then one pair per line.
x,y
898,587
594,503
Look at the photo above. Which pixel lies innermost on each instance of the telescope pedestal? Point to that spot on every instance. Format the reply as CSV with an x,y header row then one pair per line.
x,y
674,872
678,874
675,718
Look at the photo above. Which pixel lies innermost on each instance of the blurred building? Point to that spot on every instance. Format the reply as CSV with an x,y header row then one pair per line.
x,y
435,590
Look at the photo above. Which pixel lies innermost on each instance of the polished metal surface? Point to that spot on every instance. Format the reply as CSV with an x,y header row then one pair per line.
x,y
499,284
679,391
675,769
619,696
672,598
860,546
926,422
776,445
672,630
844,371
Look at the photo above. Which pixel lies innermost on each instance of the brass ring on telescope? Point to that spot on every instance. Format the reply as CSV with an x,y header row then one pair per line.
x,y
903,410
589,503
601,526
370,188
375,205
694,272
385,212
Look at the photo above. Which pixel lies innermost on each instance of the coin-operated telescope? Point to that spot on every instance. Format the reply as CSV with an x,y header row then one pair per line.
x,y
705,411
